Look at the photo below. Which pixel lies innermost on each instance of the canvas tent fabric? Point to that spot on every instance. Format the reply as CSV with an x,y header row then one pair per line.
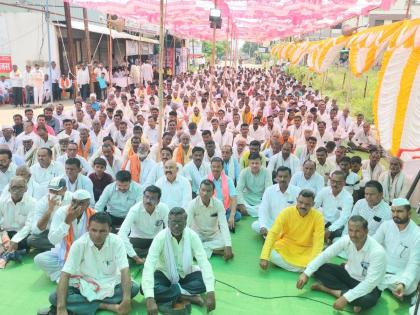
x,y
254,20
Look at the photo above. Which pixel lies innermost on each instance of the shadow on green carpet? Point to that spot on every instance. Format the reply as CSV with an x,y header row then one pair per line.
x,y
24,288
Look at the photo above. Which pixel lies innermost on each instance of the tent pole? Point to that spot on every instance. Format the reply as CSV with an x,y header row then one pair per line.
x,y
160,92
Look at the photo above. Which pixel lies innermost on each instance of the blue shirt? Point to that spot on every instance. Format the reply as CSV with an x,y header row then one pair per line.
x,y
117,202
218,185
236,167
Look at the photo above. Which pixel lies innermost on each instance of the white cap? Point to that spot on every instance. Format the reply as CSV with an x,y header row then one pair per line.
x,y
81,194
400,202
6,126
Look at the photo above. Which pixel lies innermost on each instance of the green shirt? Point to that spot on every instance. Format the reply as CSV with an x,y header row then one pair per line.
x,y
251,187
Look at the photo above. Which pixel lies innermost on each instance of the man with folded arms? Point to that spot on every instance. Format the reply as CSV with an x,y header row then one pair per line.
x,y
296,237
356,281
169,278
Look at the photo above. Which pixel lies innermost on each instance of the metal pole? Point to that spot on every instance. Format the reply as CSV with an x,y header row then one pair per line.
x,y
88,49
47,21
160,92
110,52
70,45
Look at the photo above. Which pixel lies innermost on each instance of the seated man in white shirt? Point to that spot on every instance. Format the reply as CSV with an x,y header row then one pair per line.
x,y
75,180
16,215
196,169
352,182
71,152
176,189
206,216
169,275
68,224
355,282
96,274
284,158
308,178
401,239
144,220
394,182
335,203
57,196
373,208
275,198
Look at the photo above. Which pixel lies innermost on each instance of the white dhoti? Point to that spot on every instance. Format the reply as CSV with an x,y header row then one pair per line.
x,y
390,281
50,263
278,260
210,244
256,226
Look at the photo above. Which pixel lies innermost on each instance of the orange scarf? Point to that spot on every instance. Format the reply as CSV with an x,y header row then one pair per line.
x,y
85,152
179,124
65,84
69,239
179,158
135,167
225,189
247,118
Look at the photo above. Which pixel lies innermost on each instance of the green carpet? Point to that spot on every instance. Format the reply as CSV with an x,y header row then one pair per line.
x,y
24,288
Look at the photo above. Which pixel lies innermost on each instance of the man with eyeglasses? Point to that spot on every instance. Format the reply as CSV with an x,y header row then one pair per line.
x,y
401,239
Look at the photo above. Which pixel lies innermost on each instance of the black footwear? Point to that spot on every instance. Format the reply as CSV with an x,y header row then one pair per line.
x,y
51,310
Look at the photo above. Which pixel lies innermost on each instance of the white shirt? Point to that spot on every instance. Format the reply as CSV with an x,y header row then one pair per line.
x,y
152,135
42,176
140,224
195,175
375,216
175,194
258,134
17,217
273,202
223,139
86,168
7,176
336,209
352,182
42,207
402,250
277,160
103,266
315,183
155,260
82,76
209,221
366,265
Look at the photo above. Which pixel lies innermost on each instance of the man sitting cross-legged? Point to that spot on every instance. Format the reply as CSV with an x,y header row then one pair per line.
x,y
356,280
95,275
169,276
296,236
144,220
253,181
400,238
206,216
275,198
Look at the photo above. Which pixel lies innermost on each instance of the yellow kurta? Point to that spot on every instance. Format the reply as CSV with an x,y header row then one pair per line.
x,y
297,239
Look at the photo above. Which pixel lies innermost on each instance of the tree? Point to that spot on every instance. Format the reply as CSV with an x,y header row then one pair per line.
x,y
249,49
220,49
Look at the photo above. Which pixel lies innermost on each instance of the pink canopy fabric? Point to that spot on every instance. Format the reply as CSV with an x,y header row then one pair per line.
x,y
253,20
